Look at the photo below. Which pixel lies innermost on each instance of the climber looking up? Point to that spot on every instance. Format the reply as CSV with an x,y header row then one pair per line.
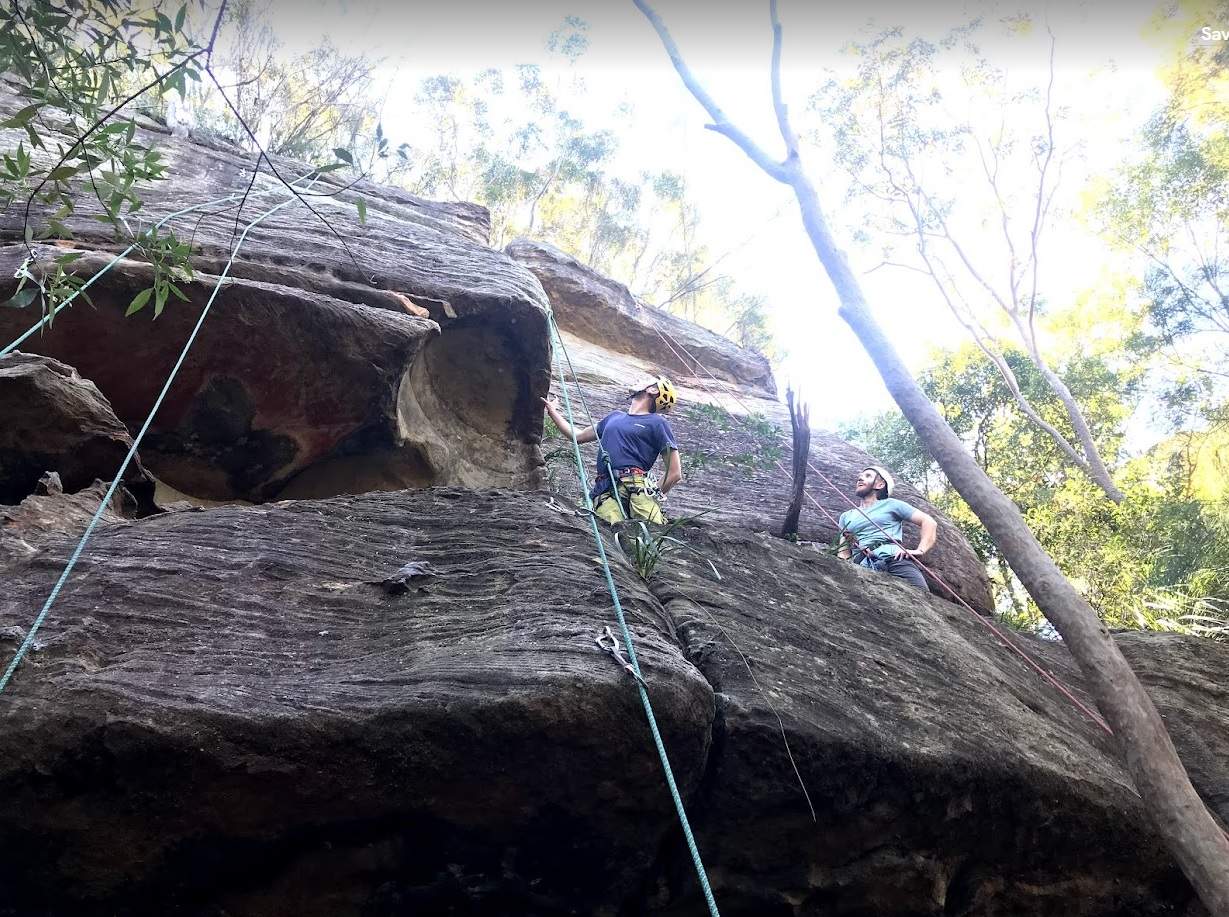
x,y
629,443
873,534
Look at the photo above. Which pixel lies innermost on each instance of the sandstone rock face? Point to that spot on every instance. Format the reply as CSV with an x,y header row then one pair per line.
x,y
736,454
393,703
310,377
329,754
251,711
732,431
54,420
947,777
604,312
50,513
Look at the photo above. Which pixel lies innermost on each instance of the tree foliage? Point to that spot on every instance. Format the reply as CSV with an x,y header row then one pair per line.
x,y
80,65
1168,206
964,200
1156,560
513,141
301,106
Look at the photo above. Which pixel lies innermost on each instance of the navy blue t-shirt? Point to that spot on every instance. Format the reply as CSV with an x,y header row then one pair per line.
x,y
632,440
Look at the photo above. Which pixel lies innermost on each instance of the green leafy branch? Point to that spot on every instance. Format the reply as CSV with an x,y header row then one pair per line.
x,y
78,64
52,287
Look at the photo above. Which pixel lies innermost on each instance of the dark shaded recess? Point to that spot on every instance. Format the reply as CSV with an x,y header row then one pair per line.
x,y
20,470
218,429
460,363
408,861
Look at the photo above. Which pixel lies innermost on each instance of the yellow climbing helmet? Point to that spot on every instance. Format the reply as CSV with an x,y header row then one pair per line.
x,y
667,395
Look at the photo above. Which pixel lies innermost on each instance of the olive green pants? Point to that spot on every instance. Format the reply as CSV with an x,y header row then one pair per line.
x,y
637,503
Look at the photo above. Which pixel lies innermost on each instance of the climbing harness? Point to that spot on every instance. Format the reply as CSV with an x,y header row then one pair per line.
x,y
28,641
629,480
866,550
632,661
1002,637
607,643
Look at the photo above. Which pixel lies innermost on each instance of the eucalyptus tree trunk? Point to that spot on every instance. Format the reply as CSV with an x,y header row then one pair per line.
x,y
1188,829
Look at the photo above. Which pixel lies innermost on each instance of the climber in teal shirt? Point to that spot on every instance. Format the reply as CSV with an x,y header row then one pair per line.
x,y
873,534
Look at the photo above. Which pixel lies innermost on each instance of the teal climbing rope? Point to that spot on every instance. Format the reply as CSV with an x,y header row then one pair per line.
x,y
136,442
601,451
233,197
701,873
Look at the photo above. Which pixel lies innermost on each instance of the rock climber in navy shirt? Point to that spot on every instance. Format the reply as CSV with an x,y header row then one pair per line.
x,y
629,443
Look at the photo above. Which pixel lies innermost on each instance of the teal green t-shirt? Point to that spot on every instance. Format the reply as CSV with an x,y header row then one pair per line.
x,y
889,514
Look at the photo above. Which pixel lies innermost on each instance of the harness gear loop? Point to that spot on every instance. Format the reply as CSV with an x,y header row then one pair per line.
x,y
628,483
612,649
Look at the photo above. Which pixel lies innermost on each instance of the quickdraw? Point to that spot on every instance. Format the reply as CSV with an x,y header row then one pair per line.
x,y
608,644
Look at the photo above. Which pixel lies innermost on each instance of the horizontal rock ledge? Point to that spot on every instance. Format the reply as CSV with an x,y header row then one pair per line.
x,y
230,712
393,703
287,390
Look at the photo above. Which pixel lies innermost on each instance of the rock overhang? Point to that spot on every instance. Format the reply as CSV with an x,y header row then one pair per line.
x,y
325,382
287,387
604,312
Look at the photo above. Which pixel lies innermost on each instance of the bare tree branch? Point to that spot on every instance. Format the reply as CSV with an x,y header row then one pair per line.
x,y
982,338
992,177
902,266
800,424
778,102
721,124
1041,184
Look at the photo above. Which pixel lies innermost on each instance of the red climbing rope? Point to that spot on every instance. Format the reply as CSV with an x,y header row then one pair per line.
x,y
989,625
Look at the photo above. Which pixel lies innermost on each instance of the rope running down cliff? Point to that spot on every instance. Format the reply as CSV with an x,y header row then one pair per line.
x,y
789,753
28,641
701,873
233,197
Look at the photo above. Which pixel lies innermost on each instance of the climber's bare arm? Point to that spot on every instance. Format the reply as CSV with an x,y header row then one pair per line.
x,y
926,541
674,471
584,435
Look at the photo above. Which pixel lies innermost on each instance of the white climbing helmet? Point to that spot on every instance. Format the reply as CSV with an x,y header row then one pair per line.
x,y
883,473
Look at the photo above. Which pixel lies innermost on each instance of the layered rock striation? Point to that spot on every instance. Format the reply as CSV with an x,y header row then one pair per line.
x,y
394,704
311,377
371,687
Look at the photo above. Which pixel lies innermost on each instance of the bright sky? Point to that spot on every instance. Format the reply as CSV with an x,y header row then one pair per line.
x,y
1105,74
